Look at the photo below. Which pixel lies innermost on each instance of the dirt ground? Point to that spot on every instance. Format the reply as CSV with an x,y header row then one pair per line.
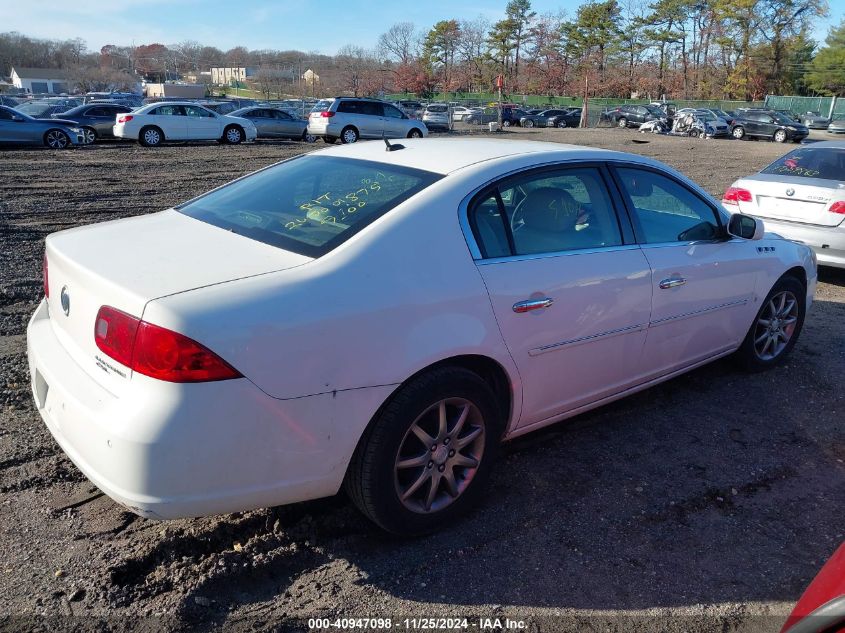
x,y
704,504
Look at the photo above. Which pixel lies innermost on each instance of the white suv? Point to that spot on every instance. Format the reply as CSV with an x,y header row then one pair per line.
x,y
350,119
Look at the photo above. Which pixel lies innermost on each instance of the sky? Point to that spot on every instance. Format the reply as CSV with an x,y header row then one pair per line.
x,y
313,25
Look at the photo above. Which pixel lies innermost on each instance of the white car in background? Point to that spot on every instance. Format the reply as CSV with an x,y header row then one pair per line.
x,y
461,113
382,319
153,124
800,196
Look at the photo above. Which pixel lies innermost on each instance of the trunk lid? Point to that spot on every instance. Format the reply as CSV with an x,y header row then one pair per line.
x,y
792,198
127,263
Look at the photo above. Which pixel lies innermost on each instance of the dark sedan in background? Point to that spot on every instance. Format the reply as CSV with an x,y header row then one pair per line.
x,y
634,115
276,123
17,128
95,119
569,117
767,124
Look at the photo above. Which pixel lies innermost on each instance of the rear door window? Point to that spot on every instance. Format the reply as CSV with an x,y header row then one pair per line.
x,y
310,204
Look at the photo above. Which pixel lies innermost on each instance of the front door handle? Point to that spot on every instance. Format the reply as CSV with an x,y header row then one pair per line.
x,y
672,282
532,304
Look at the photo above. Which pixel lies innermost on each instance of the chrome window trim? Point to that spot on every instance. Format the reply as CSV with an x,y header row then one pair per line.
x,y
575,251
475,251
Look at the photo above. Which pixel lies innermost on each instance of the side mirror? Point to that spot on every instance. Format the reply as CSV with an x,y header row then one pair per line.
x,y
746,227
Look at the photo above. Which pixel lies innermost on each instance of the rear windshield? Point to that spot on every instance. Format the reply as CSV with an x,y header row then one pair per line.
x,y
309,204
437,108
321,106
827,163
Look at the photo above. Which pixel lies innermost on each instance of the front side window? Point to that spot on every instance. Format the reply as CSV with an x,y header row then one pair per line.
x,y
278,114
827,163
392,113
546,212
310,204
195,111
665,210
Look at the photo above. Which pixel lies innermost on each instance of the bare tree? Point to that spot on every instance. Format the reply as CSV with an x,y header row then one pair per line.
x,y
400,43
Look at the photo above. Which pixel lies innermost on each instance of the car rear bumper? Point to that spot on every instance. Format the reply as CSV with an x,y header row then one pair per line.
x,y
828,242
167,451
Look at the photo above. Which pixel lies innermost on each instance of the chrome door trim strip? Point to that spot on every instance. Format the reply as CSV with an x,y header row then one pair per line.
x,y
685,315
584,339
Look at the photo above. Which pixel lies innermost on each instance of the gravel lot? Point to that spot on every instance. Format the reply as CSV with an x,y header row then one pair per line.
x,y
704,504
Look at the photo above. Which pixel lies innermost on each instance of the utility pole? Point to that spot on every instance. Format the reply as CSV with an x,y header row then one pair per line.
x,y
585,116
500,80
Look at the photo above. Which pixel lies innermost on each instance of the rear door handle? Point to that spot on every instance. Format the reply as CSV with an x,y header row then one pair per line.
x,y
532,304
672,282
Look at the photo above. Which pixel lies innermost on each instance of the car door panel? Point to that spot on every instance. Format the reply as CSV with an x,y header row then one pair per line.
x,y
572,301
702,283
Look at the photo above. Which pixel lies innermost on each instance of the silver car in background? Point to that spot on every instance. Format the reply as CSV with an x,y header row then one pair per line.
x,y
800,196
276,123
350,119
17,128
437,115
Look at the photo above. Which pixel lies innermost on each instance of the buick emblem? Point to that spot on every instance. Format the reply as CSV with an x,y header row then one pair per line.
x,y
790,192
65,301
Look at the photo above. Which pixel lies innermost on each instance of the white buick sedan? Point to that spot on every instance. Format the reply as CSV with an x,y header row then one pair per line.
x,y
380,320
153,124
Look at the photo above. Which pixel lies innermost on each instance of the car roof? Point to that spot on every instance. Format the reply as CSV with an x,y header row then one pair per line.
x,y
446,155
823,145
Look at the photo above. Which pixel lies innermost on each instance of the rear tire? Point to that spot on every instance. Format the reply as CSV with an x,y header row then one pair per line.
x,y
331,140
528,123
349,135
506,123
412,473
777,319
150,136
89,134
416,133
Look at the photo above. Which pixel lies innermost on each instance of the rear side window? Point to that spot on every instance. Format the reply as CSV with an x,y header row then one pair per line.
x,y
547,211
310,204
827,163
169,110
665,210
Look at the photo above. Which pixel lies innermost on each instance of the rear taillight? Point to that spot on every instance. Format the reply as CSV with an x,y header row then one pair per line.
x,y
327,114
836,207
124,118
735,195
156,351
45,276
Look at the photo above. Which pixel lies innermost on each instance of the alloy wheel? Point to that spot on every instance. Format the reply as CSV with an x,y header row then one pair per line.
x,y
776,325
439,455
88,135
57,139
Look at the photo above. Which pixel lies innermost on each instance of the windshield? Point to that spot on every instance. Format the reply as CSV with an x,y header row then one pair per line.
x,y
33,109
782,119
827,163
721,113
310,204
706,116
655,110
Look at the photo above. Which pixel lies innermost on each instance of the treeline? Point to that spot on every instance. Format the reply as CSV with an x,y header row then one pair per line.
x,y
685,49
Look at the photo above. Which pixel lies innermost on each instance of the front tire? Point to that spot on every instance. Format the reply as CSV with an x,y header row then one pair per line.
x,y
561,124
330,140
528,123
426,457
150,137
56,139
349,135
738,132
506,123
780,136
776,327
233,135
622,122
308,138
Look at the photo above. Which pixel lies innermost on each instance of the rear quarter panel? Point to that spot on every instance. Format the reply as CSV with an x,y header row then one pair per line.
x,y
399,296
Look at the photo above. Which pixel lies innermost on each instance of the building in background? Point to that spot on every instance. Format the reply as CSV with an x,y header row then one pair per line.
x,y
40,80
225,76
